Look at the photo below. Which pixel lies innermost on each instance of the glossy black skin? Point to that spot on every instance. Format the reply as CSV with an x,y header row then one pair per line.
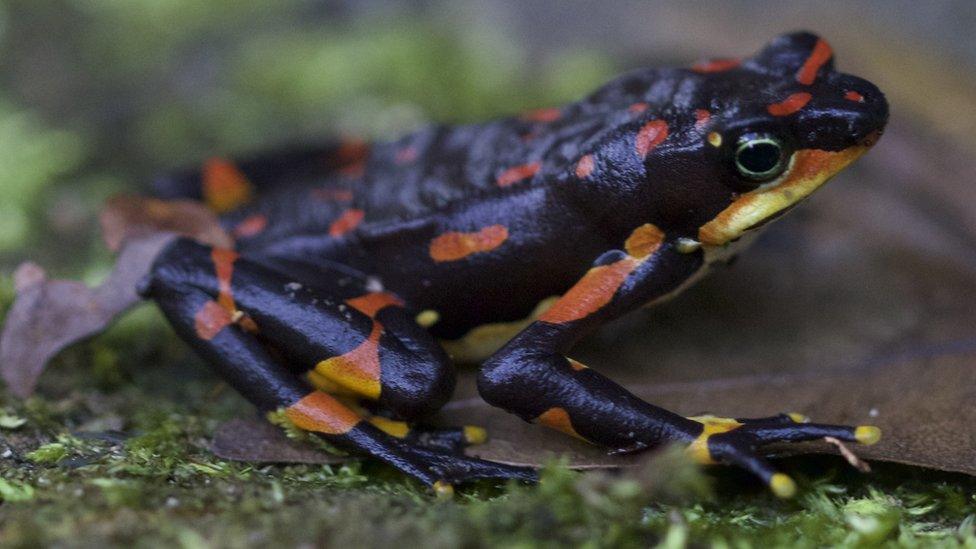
x,y
559,226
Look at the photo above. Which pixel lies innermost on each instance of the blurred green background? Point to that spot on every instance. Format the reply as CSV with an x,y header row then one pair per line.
x,y
96,96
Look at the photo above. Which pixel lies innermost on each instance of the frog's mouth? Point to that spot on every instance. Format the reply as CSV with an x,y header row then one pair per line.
x,y
810,169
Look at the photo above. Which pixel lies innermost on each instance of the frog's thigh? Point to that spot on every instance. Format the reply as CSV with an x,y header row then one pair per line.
x,y
337,334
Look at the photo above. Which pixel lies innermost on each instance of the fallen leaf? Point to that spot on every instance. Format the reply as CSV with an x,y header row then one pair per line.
x,y
49,315
260,441
131,217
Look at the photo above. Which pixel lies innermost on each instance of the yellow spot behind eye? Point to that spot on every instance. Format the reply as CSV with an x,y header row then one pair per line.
x,y
867,434
428,318
782,485
714,139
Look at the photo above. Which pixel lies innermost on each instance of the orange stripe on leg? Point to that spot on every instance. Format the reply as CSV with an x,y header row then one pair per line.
x,y
321,413
371,303
359,369
558,418
591,293
452,246
210,320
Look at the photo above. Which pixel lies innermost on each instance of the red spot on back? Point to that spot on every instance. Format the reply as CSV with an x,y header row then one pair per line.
x,y
702,117
854,96
650,135
224,185
821,54
371,303
637,108
716,65
790,105
346,222
584,168
352,150
452,246
210,320
542,115
251,226
518,173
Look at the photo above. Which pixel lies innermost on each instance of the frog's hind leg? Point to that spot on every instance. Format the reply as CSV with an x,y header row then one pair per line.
x,y
259,330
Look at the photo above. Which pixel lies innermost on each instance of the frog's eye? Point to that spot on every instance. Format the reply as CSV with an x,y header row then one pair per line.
x,y
760,157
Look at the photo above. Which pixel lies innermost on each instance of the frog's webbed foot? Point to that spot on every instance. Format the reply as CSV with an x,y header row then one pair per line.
x,y
737,442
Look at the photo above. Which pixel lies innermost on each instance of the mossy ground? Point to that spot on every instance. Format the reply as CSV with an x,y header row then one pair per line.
x,y
114,453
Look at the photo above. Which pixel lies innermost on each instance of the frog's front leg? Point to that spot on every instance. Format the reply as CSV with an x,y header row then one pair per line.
x,y
278,341
531,376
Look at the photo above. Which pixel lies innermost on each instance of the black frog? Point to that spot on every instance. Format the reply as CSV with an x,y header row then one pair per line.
x,y
361,270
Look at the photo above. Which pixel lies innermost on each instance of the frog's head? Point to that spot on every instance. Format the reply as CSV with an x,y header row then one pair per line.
x,y
783,123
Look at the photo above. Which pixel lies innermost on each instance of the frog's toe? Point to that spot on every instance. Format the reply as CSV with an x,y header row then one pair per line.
x,y
451,439
451,469
737,442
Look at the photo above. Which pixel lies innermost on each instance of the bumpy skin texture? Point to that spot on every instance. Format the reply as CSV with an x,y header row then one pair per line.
x,y
610,202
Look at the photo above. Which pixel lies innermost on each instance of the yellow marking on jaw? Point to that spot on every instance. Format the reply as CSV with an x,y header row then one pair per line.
x,y
698,449
714,139
810,168
480,342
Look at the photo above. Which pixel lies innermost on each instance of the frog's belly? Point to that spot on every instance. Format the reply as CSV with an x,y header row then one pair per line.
x,y
482,341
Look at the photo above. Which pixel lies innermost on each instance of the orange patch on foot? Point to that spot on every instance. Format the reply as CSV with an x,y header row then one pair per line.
x,y
821,54
223,260
637,108
321,413
359,369
453,246
371,303
790,105
346,222
518,173
210,320
702,117
584,168
650,135
854,96
591,293
644,241
251,226
716,65
542,115
557,418
224,185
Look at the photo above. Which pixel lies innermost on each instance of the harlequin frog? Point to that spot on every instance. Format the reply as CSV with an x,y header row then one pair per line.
x,y
360,269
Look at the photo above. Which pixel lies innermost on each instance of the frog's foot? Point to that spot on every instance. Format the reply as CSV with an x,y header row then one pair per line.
x,y
737,441
450,439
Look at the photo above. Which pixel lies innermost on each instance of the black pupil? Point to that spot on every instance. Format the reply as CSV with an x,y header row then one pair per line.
x,y
759,157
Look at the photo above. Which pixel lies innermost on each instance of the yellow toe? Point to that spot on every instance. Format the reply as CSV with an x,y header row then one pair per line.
x,y
867,434
443,489
782,485
798,417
